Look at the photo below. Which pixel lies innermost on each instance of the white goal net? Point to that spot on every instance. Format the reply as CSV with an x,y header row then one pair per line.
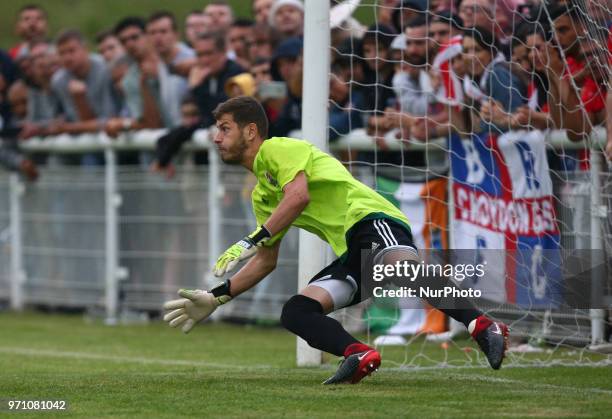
x,y
484,121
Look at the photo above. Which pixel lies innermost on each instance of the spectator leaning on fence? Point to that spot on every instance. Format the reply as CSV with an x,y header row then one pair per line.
x,y
586,66
565,110
529,50
163,33
594,78
169,144
117,61
13,108
152,94
412,85
17,96
43,106
82,86
534,38
490,83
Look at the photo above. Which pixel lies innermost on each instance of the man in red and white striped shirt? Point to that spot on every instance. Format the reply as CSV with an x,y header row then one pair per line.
x,y
445,32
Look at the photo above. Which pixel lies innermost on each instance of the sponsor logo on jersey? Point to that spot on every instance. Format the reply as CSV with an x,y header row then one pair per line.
x,y
270,179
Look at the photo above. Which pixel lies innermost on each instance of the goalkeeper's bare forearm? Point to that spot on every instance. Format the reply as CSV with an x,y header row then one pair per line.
x,y
295,199
197,305
256,269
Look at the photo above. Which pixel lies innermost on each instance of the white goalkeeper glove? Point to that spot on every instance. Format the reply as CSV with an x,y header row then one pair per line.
x,y
242,250
195,306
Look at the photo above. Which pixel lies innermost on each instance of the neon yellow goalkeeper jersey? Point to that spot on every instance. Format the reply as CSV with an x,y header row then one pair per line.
x,y
337,200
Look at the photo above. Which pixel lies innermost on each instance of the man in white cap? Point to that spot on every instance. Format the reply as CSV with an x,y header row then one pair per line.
x,y
287,17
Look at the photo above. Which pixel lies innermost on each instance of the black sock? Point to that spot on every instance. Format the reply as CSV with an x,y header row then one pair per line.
x,y
304,316
465,314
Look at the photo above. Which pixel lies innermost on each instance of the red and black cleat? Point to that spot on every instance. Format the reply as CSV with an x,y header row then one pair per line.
x,y
492,337
356,365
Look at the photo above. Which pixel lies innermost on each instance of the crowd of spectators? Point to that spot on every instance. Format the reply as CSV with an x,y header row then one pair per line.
x,y
424,68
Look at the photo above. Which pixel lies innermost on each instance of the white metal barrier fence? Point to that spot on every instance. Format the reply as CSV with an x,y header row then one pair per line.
x,y
121,238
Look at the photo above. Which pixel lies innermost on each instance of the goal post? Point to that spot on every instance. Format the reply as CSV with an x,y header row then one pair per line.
x,y
314,129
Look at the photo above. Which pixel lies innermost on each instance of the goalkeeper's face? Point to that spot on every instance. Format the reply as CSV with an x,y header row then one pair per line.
x,y
230,140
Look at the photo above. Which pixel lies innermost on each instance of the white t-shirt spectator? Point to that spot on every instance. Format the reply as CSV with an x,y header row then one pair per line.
x,y
413,95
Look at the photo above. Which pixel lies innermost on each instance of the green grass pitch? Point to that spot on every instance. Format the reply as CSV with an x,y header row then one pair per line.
x,y
223,370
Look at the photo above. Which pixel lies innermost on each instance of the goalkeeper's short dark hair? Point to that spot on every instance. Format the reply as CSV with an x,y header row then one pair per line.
x,y
245,110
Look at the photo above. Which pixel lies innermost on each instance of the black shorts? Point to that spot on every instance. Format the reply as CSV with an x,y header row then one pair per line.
x,y
343,277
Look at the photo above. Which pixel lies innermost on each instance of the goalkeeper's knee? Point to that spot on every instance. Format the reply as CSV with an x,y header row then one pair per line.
x,y
296,311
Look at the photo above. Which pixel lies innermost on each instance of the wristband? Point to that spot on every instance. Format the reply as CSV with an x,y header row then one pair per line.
x,y
260,235
222,292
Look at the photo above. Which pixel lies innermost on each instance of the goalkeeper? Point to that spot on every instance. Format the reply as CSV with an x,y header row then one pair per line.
x,y
297,184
